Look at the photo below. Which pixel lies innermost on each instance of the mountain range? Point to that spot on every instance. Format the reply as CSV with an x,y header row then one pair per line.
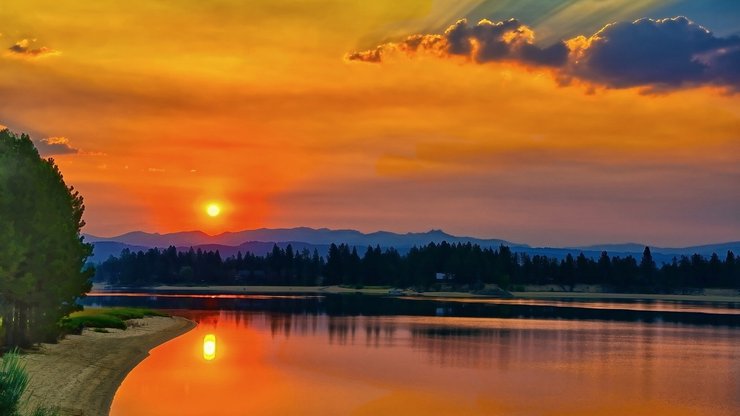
x,y
261,241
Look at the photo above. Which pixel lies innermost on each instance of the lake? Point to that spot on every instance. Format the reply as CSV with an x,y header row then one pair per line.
x,y
367,355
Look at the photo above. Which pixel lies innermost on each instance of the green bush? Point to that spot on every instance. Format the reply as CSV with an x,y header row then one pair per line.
x,y
131,313
75,324
103,318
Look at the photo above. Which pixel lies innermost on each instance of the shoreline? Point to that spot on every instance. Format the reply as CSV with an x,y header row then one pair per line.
x,y
626,296
81,374
723,296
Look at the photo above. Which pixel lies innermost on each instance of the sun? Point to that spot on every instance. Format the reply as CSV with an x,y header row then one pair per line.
x,y
213,210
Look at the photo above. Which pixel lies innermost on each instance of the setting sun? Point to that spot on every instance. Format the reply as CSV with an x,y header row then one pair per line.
x,y
213,210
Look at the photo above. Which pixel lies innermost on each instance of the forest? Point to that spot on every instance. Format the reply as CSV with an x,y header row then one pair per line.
x,y
466,266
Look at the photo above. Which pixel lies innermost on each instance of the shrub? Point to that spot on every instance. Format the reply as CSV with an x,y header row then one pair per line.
x,y
13,382
103,318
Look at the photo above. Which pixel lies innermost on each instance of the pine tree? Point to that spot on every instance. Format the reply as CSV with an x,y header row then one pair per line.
x,y
647,268
42,255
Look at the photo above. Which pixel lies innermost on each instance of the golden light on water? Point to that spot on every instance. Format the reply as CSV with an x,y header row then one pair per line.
x,y
209,347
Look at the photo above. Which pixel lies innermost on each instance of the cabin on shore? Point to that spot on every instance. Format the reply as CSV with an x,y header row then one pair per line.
x,y
443,277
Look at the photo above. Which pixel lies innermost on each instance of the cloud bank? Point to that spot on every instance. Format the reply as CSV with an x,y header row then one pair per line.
x,y
657,54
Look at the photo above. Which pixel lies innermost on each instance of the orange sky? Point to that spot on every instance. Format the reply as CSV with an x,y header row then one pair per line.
x,y
171,105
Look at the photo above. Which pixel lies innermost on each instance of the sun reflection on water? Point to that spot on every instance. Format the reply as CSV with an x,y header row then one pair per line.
x,y
209,347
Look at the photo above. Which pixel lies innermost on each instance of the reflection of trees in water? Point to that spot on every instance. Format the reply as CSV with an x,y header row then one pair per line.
x,y
562,341
462,346
283,325
371,306
475,347
280,324
501,344
594,349
341,329
379,333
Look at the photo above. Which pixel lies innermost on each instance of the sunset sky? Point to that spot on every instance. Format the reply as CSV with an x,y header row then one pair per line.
x,y
556,128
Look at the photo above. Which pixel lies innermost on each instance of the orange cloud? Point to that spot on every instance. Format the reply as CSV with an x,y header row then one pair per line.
x,y
486,41
24,49
55,146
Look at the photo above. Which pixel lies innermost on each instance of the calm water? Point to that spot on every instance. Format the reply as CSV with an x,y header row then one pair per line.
x,y
360,355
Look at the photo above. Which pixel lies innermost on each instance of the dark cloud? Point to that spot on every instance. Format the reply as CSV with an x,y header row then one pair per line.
x,y
725,67
662,53
657,54
486,41
23,48
55,146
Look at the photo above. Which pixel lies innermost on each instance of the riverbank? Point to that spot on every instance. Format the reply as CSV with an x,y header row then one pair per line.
x,y
277,290
708,295
80,374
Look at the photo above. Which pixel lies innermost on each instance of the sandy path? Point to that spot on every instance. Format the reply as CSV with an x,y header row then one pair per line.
x,y
81,373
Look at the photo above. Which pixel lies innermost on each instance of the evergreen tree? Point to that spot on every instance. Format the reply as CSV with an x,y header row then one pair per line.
x,y
647,268
42,255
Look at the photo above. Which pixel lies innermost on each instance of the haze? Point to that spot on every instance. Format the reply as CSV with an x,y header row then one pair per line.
x,y
319,114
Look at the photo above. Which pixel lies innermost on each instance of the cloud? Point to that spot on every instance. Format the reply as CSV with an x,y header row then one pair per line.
x,y
24,49
664,53
656,54
485,42
55,146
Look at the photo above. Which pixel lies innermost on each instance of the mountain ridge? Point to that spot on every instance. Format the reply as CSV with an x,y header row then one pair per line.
x,y
298,234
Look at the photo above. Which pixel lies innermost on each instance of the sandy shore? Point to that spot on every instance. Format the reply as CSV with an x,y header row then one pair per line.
x,y
81,374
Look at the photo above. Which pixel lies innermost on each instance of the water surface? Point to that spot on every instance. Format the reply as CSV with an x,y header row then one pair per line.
x,y
374,356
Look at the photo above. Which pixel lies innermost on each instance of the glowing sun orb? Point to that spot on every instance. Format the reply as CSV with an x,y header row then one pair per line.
x,y
209,347
213,210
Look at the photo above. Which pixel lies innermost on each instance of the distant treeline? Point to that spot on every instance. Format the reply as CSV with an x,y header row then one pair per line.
x,y
423,267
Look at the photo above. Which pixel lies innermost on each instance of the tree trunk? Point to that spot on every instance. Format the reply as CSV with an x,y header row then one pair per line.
x,y
15,321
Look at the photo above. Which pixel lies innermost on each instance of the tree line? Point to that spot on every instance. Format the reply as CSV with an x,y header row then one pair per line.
x,y
433,265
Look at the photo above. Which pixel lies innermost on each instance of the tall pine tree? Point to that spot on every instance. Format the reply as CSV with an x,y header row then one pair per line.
x,y
42,255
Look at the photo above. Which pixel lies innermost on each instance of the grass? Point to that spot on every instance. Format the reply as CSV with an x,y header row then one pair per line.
x,y
13,383
101,318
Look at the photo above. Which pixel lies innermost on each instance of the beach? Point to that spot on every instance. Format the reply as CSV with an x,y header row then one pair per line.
x,y
81,373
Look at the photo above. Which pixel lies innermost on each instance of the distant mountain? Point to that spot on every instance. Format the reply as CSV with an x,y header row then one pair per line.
x,y
624,247
104,249
321,236
705,250
261,241
140,238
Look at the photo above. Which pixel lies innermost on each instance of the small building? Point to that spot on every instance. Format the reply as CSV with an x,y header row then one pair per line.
x,y
443,277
